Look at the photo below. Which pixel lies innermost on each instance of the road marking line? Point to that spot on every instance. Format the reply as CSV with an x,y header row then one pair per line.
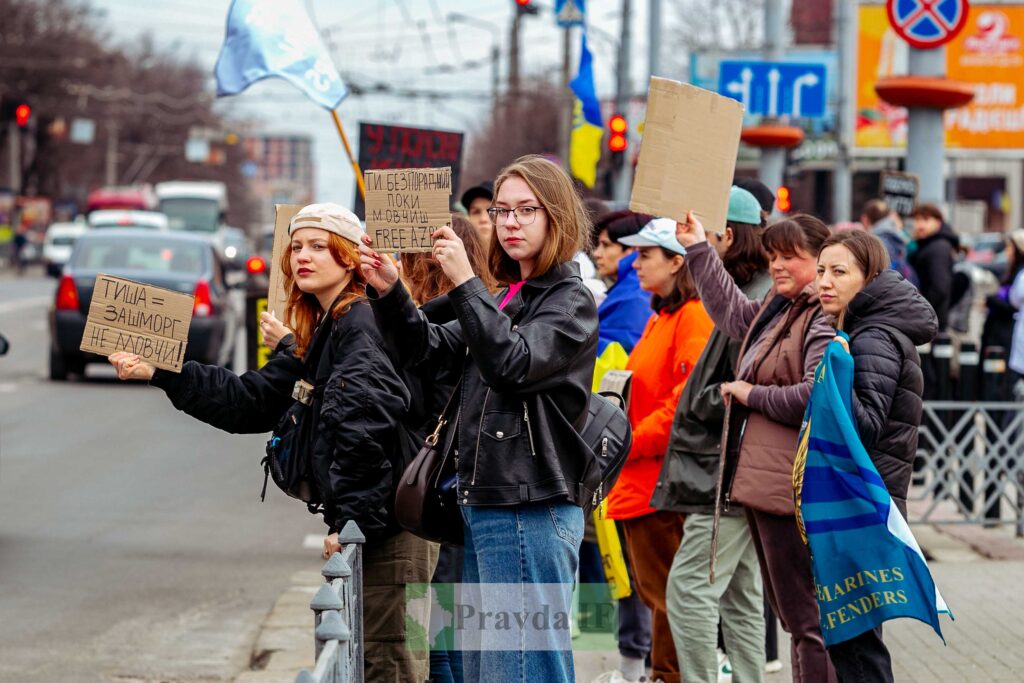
x,y
313,541
13,306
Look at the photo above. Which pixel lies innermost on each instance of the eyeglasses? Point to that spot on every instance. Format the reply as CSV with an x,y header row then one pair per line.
x,y
525,215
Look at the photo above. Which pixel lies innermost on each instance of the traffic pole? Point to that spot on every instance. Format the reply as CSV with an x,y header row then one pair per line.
x,y
623,175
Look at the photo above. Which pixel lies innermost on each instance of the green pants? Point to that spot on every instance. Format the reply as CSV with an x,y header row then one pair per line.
x,y
387,567
695,605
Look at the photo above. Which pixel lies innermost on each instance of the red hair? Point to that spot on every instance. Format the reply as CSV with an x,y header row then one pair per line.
x,y
303,311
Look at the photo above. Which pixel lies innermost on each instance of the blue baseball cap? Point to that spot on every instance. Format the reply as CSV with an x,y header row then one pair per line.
x,y
661,232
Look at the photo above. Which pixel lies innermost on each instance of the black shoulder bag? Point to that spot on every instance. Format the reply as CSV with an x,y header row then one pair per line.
x,y
425,500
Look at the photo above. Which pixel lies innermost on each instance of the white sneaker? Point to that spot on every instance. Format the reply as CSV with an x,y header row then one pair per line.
x,y
724,668
773,667
617,677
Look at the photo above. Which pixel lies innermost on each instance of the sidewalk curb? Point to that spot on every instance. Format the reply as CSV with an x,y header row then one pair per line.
x,y
285,644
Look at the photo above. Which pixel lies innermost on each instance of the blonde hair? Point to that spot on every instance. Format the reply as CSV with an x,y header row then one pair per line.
x,y
568,223
303,311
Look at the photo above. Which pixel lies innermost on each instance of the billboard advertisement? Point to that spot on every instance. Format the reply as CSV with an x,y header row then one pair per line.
x,y
988,53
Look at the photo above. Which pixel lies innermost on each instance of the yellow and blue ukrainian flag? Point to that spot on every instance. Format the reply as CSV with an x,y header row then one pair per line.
x,y
867,566
585,142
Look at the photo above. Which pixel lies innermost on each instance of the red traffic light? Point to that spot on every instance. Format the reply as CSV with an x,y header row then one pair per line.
x,y
21,115
782,200
256,265
523,3
617,140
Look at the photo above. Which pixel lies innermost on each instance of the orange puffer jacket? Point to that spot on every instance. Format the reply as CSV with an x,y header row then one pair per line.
x,y
661,361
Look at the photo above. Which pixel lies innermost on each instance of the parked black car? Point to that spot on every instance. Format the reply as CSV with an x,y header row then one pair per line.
x,y
174,260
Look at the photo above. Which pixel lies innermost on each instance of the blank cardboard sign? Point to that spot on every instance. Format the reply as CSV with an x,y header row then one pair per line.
x,y
277,297
688,153
152,322
405,206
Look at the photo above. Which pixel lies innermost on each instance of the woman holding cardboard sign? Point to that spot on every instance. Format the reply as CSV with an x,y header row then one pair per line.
x,y
784,337
523,361
331,395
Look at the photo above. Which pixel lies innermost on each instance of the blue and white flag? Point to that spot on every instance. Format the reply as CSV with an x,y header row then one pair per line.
x,y
867,565
267,38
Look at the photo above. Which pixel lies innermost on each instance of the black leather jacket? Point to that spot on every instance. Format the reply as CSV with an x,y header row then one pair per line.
x,y
526,377
359,439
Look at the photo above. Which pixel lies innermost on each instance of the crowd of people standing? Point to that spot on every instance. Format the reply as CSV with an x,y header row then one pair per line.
x,y
494,337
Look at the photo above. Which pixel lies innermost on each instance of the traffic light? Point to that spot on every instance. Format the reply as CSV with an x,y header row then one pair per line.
x,y
22,113
526,7
617,129
782,200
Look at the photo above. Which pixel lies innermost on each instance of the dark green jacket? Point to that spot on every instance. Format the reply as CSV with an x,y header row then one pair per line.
x,y
690,469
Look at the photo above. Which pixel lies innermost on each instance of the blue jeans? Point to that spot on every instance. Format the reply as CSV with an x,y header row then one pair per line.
x,y
535,543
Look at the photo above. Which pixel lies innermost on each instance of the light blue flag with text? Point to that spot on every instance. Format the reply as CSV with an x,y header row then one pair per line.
x,y
867,566
276,38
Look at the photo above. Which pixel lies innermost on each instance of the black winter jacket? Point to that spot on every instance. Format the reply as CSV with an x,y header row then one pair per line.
x,y
359,442
527,372
886,321
933,263
689,472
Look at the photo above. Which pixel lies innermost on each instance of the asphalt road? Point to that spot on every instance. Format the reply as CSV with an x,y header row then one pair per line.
x,y
133,544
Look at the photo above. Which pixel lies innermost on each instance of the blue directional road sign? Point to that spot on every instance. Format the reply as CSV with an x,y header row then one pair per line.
x,y
775,88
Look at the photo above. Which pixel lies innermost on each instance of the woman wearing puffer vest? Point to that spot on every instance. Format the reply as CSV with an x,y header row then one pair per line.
x,y
886,319
784,337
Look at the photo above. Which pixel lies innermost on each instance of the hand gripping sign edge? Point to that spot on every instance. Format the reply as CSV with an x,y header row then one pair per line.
x,y
949,27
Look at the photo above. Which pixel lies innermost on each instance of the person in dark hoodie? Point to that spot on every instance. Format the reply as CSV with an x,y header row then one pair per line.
x,y
886,319
880,221
933,259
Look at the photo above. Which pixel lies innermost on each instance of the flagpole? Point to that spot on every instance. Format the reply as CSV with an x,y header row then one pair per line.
x,y
348,151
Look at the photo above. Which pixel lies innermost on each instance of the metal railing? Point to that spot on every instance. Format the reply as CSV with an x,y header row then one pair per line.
x,y
338,614
970,464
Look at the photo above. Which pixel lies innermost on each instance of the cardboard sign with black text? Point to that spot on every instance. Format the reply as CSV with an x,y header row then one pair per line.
x,y
149,321
687,154
899,190
405,206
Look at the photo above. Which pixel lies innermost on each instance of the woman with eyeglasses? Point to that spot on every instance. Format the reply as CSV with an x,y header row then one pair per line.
x,y
523,361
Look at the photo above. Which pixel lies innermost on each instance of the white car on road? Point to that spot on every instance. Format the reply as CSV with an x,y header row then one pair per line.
x,y
60,238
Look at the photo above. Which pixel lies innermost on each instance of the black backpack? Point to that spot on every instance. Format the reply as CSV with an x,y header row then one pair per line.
x,y
289,452
609,436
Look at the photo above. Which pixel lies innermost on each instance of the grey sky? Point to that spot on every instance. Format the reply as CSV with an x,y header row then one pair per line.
x,y
398,42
